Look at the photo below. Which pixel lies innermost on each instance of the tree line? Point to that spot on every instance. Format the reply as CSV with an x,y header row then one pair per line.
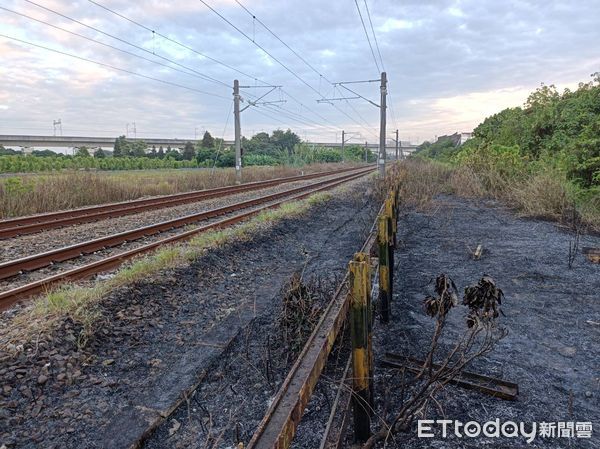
x,y
278,148
554,130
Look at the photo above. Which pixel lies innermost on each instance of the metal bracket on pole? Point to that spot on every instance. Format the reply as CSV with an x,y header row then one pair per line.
x,y
237,98
382,114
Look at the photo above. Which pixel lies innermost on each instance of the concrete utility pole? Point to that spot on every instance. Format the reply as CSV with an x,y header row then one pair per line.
x,y
238,143
397,144
382,119
343,143
366,151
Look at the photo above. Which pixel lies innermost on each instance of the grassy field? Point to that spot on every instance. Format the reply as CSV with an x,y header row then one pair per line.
x,y
31,194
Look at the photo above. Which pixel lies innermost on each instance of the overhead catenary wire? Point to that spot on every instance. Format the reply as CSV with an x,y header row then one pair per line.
x,y
187,47
308,64
223,137
176,42
282,41
381,59
274,58
110,66
112,36
73,33
295,117
367,35
290,114
374,35
302,120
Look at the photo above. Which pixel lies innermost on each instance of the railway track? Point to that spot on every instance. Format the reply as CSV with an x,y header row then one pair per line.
x,y
41,222
277,428
34,262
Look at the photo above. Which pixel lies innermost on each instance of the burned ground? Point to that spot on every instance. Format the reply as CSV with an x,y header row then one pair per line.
x,y
160,337
552,314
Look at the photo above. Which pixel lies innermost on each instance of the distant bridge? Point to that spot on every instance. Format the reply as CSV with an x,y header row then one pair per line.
x,y
108,142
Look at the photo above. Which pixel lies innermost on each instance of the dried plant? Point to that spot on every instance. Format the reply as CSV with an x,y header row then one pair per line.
x,y
301,310
483,301
479,338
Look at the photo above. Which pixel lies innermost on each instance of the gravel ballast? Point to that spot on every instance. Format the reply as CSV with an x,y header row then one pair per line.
x,y
26,245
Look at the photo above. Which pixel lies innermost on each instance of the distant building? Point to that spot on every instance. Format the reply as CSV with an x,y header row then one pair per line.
x,y
457,138
464,137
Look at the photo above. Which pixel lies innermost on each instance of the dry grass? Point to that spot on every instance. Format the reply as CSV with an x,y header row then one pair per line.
x,y
422,181
541,195
34,194
81,303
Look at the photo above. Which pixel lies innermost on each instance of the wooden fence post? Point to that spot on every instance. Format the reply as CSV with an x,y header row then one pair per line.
x,y
383,239
365,257
389,211
362,357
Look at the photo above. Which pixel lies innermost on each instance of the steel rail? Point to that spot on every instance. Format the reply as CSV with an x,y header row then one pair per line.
x,y
277,428
35,223
29,263
17,294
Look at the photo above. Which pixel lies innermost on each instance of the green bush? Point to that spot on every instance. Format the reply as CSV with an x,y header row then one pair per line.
x,y
259,159
29,163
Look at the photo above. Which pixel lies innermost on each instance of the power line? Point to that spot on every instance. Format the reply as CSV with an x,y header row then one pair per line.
x,y
258,45
381,59
81,58
291,115
202,54
299,118
374,35
281,40
222,138
127,52
367,34
197,74
272,57
176,42
305,62
303,119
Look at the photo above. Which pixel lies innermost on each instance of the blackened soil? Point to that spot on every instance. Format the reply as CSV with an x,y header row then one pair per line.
x,y
158,338
552,314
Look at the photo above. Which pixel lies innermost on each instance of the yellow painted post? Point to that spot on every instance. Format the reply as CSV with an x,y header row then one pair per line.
x,y
384,267
389,212
365,257
361,347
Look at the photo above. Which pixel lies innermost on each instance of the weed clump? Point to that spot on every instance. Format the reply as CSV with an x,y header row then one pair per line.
x,y
302,307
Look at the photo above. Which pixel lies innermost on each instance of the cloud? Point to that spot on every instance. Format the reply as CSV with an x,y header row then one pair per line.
x,y
449,63
397,24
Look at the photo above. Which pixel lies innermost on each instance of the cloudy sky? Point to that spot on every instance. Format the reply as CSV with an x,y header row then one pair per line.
x,y
449,63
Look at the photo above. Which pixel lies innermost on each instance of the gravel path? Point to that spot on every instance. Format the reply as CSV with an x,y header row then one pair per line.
x,y
157,336
552,316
